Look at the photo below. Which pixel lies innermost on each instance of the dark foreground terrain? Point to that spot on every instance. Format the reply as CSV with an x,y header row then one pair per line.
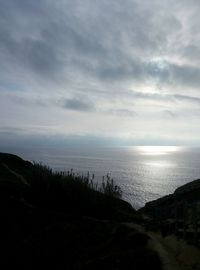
x,y
64,221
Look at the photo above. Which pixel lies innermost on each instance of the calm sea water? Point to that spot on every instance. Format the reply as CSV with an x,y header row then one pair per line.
x,y
144,173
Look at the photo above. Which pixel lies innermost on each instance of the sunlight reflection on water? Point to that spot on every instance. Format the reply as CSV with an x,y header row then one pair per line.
x,y
160,164
157,150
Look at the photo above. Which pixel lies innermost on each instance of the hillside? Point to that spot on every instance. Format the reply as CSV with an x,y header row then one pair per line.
x,y
64,221
177,213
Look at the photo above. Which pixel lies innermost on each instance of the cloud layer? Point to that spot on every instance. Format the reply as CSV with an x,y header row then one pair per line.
x,y
103,68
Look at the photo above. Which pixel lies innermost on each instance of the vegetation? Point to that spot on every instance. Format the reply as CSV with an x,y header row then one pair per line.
x,y
46,175
61,220
68,191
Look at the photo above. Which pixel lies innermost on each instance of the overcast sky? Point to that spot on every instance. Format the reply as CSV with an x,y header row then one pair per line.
x,y
110,70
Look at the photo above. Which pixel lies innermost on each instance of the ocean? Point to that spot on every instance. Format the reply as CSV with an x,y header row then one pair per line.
x,y
144,173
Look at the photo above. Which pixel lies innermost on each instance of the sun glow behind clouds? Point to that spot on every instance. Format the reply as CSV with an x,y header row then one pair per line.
x,y
157,150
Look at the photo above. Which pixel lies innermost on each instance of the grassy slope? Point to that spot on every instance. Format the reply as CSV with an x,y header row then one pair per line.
x,y
63,222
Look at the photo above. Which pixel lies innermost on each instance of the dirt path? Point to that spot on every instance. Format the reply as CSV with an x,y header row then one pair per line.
x,y
174,254
168,259
20,177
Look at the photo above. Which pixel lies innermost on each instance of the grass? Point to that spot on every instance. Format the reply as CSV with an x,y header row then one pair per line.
x,y
46,176
71,192
62,220
40,186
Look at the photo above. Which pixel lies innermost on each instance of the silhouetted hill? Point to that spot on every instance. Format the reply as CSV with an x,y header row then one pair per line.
x,y
189,192
177,213
39,186
60,220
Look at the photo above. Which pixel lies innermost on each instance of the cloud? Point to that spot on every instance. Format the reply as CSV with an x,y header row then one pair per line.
x,y
78,105
186,75
114,61
65,39
91,39
188,98
6,130
169,114
122,113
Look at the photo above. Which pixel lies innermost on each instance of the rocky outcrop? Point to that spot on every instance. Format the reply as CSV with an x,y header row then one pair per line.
x,y
177,213
189,192
191,187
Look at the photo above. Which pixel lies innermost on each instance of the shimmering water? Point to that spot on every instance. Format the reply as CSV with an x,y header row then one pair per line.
x,y
144,173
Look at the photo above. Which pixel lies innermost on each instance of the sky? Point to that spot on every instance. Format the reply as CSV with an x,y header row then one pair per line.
x,y
107,72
